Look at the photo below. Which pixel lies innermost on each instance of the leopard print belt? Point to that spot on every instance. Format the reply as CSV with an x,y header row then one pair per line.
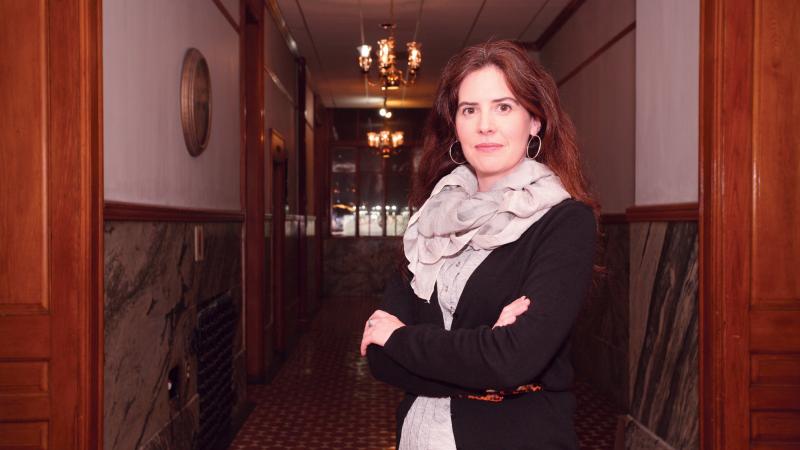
x,y
499,395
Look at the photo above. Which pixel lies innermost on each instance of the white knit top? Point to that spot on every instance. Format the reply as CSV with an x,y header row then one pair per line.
x,y
427,424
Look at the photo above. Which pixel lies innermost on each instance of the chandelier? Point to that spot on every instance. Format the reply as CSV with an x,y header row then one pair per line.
x,y
391,78
385,141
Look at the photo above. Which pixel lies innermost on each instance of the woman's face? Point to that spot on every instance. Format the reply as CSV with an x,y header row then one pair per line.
x,y
492,126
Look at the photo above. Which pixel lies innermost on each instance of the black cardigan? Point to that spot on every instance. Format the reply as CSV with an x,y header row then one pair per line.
x,y
551,263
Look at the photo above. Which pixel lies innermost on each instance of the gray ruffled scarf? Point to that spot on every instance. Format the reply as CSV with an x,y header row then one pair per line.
x,y
456,215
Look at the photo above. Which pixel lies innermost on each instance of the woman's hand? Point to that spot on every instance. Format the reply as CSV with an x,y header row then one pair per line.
x,y
509,314
378,328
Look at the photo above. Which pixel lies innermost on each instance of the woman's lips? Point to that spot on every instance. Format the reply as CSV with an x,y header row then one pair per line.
x,y
490,147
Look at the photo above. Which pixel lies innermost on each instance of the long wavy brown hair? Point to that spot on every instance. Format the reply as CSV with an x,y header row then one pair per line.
x,y
533,87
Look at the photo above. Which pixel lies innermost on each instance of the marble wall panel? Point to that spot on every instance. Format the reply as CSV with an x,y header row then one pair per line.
x,y
636,436
359,267
646,245
664,331
600,340
153,291
178,433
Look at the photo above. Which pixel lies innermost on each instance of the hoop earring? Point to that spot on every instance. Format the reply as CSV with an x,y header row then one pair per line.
x,y
451,154
538,146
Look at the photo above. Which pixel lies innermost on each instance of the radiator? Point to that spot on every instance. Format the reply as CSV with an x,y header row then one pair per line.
x,y
214,339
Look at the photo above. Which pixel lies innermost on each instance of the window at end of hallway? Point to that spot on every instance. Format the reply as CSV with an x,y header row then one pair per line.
x,y
372,189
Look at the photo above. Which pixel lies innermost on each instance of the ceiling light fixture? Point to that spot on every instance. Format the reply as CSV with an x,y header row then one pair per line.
x,y
386,141
391,78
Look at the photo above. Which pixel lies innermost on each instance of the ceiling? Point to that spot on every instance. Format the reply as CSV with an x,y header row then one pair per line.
x,y
328,31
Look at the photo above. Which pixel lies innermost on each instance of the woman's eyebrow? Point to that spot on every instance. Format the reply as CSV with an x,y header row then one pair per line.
x,y
504,99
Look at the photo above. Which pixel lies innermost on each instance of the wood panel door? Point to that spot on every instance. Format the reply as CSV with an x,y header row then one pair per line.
x,y
750,224
50,225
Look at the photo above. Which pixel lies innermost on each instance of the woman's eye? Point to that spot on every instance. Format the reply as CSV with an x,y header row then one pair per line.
x,y
468,110
504,107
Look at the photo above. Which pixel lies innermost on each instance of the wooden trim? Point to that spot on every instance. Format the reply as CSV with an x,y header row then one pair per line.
x,y
242,112
255,295
663,213
278,84
227,15
132,212
672,212
613,218
557,23
280,22
597,53
725,239
302,195
96,300
74,193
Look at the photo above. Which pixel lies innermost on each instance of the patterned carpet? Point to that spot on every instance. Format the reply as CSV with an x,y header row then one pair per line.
x,y
595,420
325,398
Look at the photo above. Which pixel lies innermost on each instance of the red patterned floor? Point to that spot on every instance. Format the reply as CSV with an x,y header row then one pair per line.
x,y
325,398
595,420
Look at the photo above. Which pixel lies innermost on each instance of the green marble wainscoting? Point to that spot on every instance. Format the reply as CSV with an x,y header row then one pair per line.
x,y
153,291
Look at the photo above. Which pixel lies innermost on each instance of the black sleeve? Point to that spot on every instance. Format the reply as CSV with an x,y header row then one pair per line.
x,y
557,281
397,300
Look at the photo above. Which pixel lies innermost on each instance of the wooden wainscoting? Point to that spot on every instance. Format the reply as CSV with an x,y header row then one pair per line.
x,y
122,211
663,213
668,212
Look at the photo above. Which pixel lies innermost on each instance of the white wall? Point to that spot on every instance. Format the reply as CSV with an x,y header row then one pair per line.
x,y
233,8
600,98
592,25
145,157
667,101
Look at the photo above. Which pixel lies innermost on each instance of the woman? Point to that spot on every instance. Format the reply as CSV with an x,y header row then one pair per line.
x,y
500,251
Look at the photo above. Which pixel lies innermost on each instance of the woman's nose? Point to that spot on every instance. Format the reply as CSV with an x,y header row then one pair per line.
x,y
486,123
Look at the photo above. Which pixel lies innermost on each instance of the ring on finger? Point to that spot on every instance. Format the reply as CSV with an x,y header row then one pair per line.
x,y
369,323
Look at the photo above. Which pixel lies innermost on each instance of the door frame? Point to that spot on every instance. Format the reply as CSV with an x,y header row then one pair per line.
x,y
726,136
252,54
76,109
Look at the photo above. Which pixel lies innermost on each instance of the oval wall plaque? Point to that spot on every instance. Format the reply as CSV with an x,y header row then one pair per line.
x,y
195,101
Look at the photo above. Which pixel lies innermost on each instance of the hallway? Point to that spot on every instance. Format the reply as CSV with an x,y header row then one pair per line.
x,y
203,200
324,396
